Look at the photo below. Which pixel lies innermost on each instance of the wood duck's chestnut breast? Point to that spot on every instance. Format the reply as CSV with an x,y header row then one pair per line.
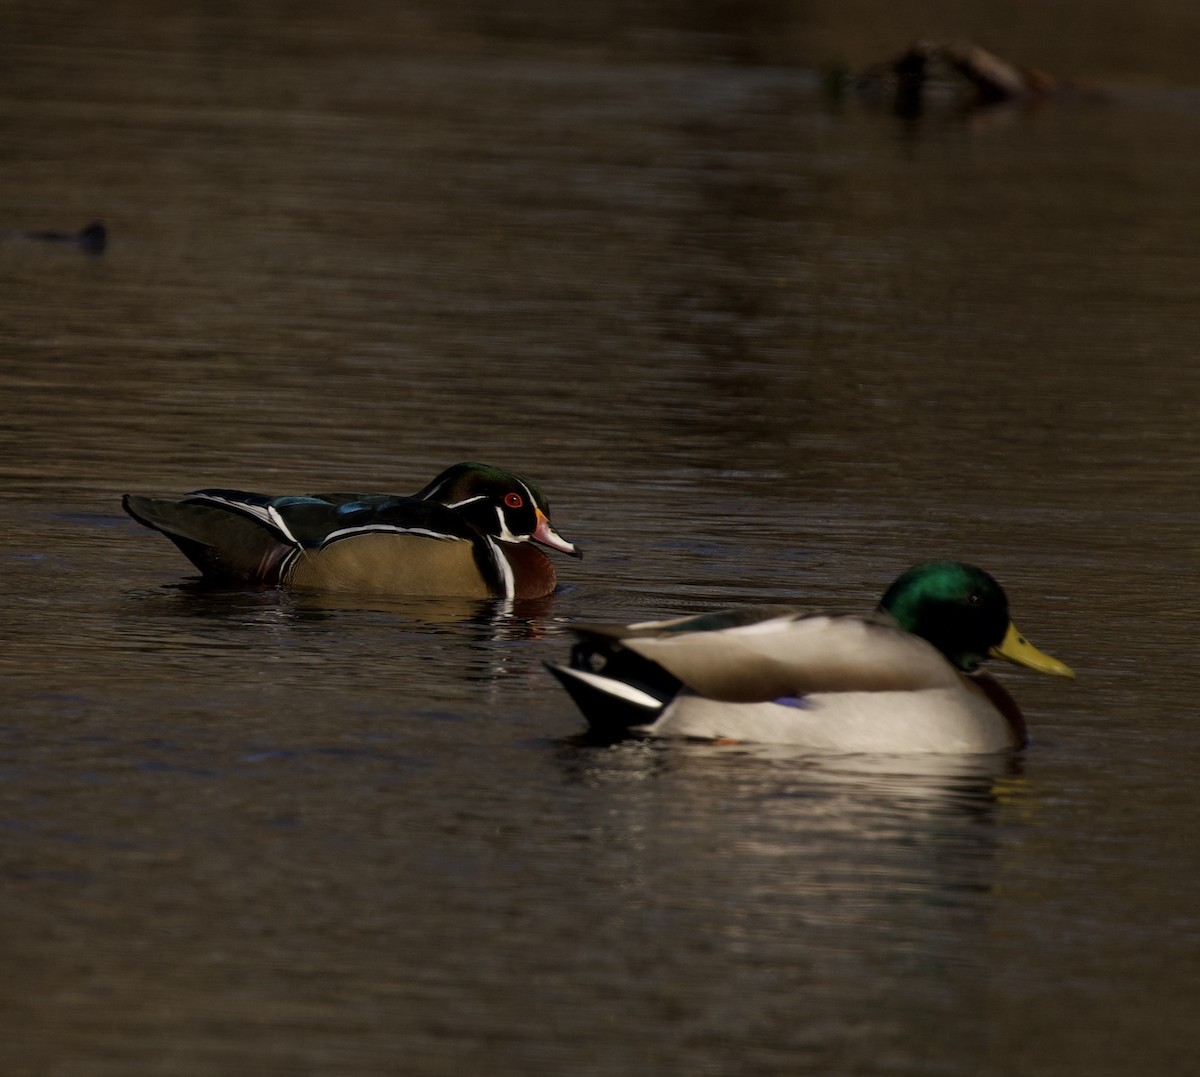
x,y
533,571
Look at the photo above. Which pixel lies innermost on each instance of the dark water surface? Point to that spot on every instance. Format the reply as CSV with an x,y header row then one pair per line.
x,y
755,347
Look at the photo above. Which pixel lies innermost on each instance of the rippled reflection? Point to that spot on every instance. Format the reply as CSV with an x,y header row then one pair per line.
x,y
754,349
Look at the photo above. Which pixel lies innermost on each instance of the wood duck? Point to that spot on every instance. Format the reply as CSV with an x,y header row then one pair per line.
x,y
468,533
905,678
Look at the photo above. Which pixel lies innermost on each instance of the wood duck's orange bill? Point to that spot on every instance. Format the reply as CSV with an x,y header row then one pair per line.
x,y
547,536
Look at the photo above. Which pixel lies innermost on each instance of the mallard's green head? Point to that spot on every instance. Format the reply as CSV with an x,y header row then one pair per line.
x,y
963,612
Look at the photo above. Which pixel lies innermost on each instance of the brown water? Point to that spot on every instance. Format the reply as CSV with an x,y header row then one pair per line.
x,y
754,347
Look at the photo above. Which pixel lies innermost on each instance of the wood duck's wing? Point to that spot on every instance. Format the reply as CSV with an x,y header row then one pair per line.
x,y
221,541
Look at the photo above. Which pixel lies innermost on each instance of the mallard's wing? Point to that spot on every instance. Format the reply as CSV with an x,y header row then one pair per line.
x,y
612,633
794,654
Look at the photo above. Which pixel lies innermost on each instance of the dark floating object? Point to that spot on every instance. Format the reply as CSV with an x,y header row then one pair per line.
x,y
960,71
93,238
993,79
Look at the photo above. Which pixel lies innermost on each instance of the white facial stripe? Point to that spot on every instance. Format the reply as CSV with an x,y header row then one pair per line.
x,y
505,533
528,494
467,501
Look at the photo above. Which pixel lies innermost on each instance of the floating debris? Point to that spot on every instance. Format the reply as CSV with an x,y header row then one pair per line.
x,y
961,72
93,238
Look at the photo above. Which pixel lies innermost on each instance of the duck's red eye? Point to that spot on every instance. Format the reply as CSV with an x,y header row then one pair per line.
x,y
514,500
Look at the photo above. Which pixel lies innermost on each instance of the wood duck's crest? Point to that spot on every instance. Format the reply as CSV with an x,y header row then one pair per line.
x,y
467,533
895,680
498,503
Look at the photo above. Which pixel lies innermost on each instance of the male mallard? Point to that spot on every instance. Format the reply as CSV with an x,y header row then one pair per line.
x,y
467,533
898,680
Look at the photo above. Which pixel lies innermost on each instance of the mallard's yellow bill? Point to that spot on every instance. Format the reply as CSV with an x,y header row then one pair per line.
x,y
1016,648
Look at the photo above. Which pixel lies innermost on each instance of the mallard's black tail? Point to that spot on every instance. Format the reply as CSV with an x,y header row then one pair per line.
x,y
611,707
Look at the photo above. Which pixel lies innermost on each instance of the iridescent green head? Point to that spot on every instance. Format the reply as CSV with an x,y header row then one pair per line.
x,y
963,612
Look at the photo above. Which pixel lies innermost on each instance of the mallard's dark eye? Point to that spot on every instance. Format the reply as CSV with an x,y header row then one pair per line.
x,y
514,500
974,599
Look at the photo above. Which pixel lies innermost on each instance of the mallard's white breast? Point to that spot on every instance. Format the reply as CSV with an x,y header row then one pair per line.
x,y
955,719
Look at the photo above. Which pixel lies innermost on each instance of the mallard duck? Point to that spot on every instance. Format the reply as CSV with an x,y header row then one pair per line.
x,y
904,678
468,533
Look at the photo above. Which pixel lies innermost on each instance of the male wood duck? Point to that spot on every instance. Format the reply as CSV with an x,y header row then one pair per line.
x,y
469,533
905,678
